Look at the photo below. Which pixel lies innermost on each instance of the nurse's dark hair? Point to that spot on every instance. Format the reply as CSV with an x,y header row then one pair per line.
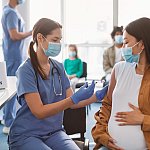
x,y
44,26
140,29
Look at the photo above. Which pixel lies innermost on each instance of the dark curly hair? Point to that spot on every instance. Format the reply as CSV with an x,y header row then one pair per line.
x,y
116,29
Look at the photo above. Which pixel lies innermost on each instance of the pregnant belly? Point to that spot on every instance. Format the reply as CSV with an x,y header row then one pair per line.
x,y
127,137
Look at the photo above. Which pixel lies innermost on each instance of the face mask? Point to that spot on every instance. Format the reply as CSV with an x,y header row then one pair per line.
x,y
118,39
128,56
53,49
72,54
20,1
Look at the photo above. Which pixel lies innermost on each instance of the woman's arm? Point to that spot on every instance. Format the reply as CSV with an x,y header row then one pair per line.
x,y
100,131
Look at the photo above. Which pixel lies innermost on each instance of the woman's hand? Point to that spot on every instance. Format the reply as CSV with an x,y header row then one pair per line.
x,y
112,145
71,76
134,117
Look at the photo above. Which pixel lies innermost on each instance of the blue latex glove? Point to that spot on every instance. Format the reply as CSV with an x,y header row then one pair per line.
x,y
83,93
100,94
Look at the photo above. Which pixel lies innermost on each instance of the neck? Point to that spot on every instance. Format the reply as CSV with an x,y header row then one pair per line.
x,y
142,65
12,4
72,58
42,58
118,45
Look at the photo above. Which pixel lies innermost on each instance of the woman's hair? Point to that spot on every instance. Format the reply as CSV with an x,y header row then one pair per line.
x,y
140,29
75,49
44,26
116,29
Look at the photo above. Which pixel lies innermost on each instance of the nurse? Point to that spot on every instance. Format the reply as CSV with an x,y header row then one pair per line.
x,y
13,41
44,92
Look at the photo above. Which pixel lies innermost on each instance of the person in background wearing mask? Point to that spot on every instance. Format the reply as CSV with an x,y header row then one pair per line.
x,y
44,92
123,122
112,55
73,66
12,44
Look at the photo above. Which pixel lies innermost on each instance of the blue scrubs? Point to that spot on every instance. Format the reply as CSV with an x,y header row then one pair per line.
x,y
13,51
29,133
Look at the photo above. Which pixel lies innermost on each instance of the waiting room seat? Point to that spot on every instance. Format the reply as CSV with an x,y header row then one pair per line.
x,y
83,77
75,122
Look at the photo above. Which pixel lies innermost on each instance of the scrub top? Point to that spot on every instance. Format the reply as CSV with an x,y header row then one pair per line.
x,y
25,123
11,19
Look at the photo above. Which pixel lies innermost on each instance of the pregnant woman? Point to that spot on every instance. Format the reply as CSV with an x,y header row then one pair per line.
x,y
123,122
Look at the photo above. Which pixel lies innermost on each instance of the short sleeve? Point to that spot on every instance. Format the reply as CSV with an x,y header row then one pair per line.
x,y
12,21
26,82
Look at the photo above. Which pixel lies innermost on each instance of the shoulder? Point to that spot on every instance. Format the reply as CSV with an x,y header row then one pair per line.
x,y
124,65
79,60
25,68
109,49
66,60
57,63
9,11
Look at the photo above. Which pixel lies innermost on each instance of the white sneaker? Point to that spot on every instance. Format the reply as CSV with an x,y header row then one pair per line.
x,y
6,130
2,122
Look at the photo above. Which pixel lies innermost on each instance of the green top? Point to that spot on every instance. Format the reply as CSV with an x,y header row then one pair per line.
x,y
74,67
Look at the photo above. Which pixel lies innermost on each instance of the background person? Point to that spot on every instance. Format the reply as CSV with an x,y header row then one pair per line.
x,y
112,55
73,66
12,44
125,109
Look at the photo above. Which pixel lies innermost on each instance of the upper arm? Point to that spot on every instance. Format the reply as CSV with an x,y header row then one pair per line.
x,y
12,24
34,102
111,84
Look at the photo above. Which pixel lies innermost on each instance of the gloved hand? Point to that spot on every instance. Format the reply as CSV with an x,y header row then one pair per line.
x,y
100,94
83,93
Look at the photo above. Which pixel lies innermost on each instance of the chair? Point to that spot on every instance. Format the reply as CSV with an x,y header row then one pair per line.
x,y
84,75
75,122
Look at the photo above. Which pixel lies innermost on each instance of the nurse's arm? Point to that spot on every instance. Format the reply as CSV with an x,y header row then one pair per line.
x,y
93,98
15,35
41,111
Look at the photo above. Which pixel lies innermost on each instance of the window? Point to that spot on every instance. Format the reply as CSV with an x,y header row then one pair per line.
x,y
135,10
88,21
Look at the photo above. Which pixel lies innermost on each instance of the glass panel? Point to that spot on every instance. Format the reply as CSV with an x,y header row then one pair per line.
x,y
88,21
135,10
44,9
94,58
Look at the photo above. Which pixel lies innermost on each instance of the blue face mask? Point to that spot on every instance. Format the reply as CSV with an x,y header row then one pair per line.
x,y
128,56
72,54
20,1
53,49
118,39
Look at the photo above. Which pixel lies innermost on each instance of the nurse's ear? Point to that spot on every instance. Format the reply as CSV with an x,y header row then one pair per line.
x,y
40,38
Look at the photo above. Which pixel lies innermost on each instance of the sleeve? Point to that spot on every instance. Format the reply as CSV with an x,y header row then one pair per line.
x,y
106,65
146,123
12,21
100,130
80,72
26,82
